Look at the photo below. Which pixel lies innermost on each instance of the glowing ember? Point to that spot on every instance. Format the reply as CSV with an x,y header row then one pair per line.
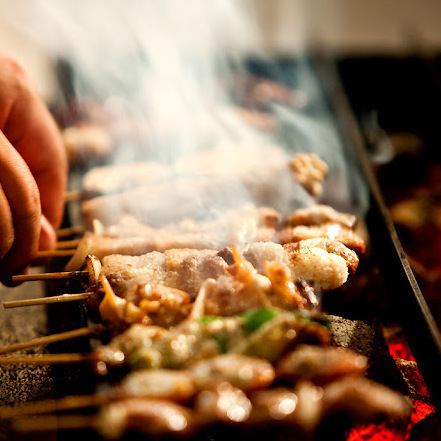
x,y
389,431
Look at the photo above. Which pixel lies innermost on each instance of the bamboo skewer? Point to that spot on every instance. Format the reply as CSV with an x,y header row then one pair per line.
x,y
46,358
51,422
54,253
49,276
73,196
70,231
60,404
62,298
68,244
43,341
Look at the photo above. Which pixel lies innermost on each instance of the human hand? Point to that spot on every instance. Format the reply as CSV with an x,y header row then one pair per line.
x,y
33,172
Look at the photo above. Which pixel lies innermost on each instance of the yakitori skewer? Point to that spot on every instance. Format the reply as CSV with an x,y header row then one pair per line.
x,y
303,408
62,298
53,338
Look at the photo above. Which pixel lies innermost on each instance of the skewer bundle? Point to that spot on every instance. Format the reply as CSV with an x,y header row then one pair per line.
x,y
211,334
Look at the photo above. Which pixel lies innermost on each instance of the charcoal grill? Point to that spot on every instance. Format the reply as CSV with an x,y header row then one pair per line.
x,y
404,304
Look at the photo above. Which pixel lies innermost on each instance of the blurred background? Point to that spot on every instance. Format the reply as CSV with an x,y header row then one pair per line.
x,y
394,27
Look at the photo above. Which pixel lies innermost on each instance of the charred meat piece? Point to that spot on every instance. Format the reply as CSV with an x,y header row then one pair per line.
x,y
318,262
318,215
320,365
326,231
146,416
310,171
328,245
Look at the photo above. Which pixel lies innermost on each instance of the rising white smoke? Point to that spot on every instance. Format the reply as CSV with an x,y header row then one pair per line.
x,y
162,67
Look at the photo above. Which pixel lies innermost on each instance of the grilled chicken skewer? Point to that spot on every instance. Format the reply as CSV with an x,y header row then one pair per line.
x,y
308,169
303,408
244,372
154,346
271,281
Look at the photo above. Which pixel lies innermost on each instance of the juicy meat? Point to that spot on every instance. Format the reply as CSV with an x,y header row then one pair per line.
x,y
184,269
244,372
170,384
244,288
148,304
218,178
223,403
163,202
328,245
259,253
318,215
146,416
323,262
299,408
320,364
306,406
363,400
322,269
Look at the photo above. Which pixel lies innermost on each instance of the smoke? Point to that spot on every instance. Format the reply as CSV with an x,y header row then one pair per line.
x,y
166,76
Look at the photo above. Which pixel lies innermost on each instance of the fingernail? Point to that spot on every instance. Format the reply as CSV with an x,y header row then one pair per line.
x,y
48,237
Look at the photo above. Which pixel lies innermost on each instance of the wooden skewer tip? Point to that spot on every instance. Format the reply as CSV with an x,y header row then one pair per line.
x,y
68,244
62,298
70,231
54,253
48,339
46,358
49,276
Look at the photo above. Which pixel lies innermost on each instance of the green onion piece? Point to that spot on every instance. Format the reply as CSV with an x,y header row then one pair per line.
x,y
206,319
253,320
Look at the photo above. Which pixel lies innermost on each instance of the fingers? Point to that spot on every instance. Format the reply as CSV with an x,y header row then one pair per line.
x,y
48,237
22,195
6,226
31,129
